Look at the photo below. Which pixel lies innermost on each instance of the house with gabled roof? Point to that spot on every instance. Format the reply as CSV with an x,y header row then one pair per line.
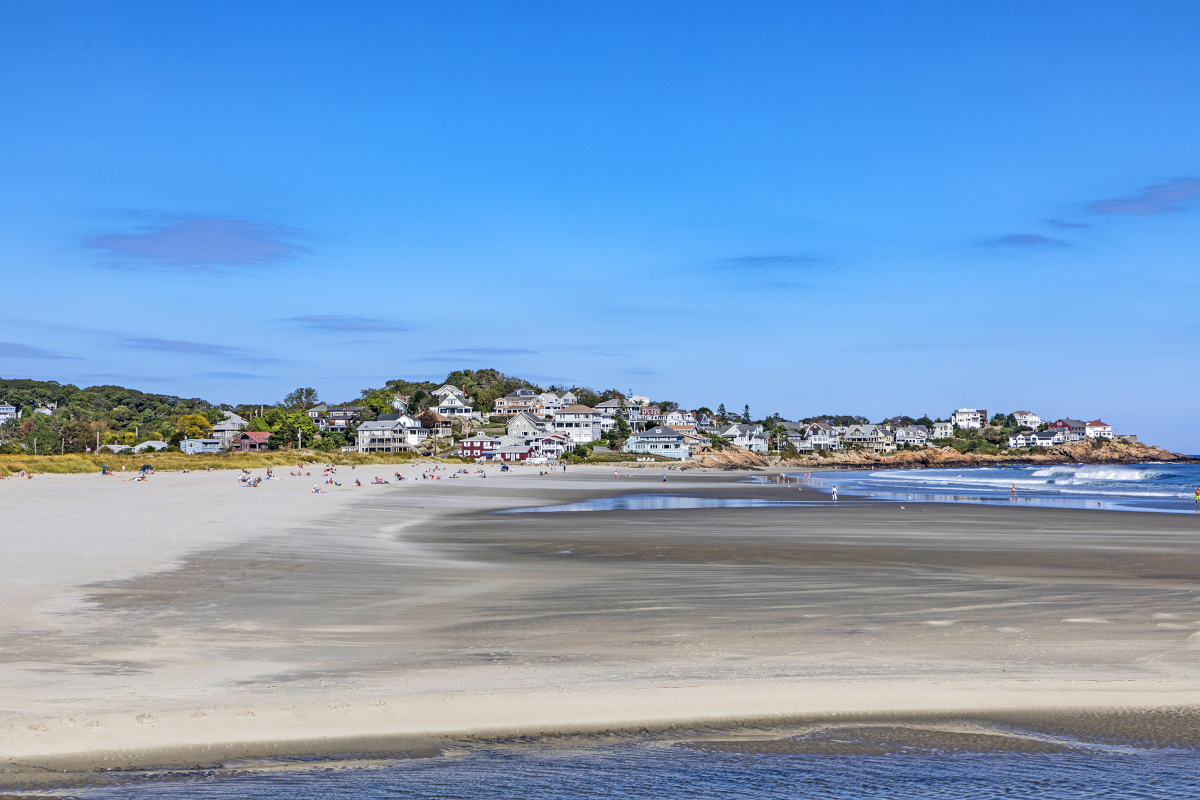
x,y
517,401
1098,429
581,423
250,441
526,425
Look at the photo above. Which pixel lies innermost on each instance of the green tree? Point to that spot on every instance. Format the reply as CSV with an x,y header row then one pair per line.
x,y
621,431
193,426
722,414
746,414
305,397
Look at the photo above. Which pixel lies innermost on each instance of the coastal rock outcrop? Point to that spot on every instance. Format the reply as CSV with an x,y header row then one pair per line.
x,y
1075,452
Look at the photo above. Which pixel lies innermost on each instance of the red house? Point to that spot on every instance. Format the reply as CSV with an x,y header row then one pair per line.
x,y
250,441
478,446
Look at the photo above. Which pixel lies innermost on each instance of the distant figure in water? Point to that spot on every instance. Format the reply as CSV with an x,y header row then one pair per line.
x,y
835,494
1014,492
1197,493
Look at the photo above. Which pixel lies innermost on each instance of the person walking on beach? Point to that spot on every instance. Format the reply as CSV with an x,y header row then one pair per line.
x,y
1014,491
835,494
1198,495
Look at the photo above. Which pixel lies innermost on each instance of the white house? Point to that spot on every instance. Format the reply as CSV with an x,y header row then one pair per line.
x,y
8,411
1027,419
943,430
821,436
581,423
390,435
553,446
969,418
1036,438
913,435
1097,429
449,390
553,402
455,406
517,401
750,437
194,446
659,441
317,411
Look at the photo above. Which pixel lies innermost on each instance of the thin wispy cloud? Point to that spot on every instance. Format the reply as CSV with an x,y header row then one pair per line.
x,y
1161,198
181,346
121,376
1027,240
15,350
493,351
201,244
237,376
1058,223
771,263
339,322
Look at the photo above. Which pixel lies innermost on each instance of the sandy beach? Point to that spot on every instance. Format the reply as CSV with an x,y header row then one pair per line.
x,y
187,619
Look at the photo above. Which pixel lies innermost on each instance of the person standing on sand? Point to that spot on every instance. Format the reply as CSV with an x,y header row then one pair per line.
x,y
835,494
1014,491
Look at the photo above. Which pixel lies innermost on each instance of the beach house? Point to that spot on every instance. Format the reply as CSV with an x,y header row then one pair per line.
x,y
581,423
1072,429
478,446
526,425
8,411
913,436
1098,429
194,446
455,406
250,441
969,418
748,436
391,433
518,401
659,441
1027,419
943,430
553,402
228,429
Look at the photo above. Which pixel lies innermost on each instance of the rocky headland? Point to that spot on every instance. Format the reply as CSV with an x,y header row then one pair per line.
x,y
1074,453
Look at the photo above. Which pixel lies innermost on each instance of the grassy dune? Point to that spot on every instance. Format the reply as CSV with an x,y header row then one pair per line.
x,y
89,462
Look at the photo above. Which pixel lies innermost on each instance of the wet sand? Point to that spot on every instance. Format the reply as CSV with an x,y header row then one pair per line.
x,y
199,621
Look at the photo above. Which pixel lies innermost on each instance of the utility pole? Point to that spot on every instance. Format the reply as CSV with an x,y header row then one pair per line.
x,y
35,445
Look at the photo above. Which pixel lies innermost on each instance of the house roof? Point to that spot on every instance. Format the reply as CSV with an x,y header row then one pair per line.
x,y
479,437
1096,423
435,416
660,430
578,409
257,436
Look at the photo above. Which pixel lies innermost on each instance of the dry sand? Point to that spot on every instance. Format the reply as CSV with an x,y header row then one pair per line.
x,y
188,619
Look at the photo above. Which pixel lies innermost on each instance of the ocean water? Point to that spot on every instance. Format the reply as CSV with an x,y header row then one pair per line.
x,y
655,502
648,770
1132,487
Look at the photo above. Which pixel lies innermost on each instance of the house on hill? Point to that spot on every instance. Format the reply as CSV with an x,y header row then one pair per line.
x,y
518,401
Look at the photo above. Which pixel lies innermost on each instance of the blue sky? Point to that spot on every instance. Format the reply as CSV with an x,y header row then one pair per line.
x,y
871,208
